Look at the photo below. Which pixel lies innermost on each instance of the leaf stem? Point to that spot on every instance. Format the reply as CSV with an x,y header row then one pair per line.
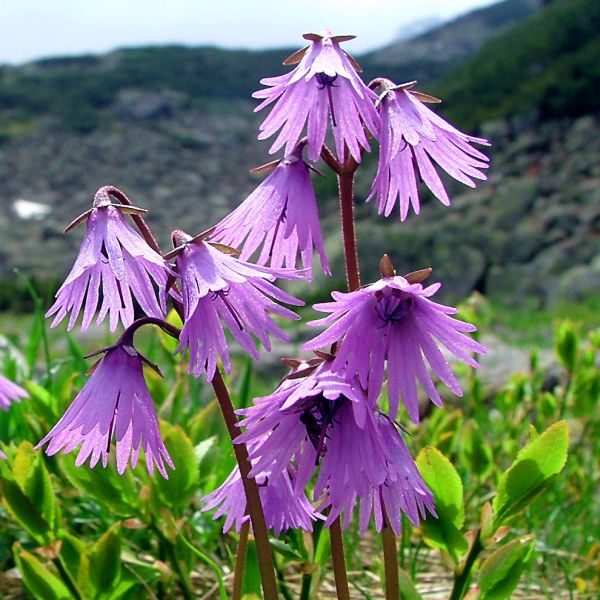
x,y
461,581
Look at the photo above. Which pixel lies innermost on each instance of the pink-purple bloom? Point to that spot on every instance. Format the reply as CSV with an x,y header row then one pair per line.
x,y
114,266
321,419
281,216
283,506
325,83
393,321
412,137
10,392
220,290
114,403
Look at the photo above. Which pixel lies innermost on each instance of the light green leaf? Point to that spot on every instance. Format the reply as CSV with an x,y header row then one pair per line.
x,y
501,571
41,582
444,482
535,465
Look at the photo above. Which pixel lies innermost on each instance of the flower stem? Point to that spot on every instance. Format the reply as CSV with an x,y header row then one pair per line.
x,y
346,190
339,563
390,560
259,527
240,561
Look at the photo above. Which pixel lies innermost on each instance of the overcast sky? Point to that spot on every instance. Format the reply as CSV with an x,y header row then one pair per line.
x,y
33,29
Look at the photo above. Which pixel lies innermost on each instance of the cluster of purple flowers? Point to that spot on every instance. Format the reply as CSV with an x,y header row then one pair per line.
x,y
325,427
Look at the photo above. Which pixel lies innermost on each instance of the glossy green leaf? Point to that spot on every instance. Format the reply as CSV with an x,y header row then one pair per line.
x,y
120,493
535,465
501,571
475,450
444,482
41,582
32,477
105,563
176,491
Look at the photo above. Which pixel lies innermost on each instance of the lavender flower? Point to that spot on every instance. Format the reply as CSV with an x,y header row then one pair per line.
x,y
113,258
394,321
411,136
219,288
370,465
320,416
324,82
10,392
283,506
281,215
115,402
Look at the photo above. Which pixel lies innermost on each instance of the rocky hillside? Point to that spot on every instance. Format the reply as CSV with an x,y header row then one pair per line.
x,y
174,128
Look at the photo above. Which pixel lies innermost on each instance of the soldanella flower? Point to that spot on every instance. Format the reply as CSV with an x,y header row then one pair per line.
x,y
324,84
370,467
284,507
323,420
10,392
114,266
411,139
280,216
394,321
114,403
220,290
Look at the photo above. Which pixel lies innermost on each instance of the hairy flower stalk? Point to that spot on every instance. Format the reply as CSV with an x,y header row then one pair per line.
x,y
114,403
411,138
325,83
280,217
114,266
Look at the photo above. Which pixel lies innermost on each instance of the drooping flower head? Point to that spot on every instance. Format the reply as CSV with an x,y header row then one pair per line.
x,y
323,420
10,392
412,137
114,403
284,507
114,266
220,290
281,216
325,83
394,321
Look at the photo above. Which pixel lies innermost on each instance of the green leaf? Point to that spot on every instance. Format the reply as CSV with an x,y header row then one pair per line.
x,y
71,549
41,582
105,562
408,591
176,491
30,473
501,571
476,451
567,344
118,492
444,482
535,465
24,512
284,549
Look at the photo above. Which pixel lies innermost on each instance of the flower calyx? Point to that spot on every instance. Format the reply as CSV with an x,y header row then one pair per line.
x,y
180,239
303,368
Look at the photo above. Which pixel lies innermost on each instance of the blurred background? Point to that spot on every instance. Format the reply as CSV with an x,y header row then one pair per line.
x,y
155,98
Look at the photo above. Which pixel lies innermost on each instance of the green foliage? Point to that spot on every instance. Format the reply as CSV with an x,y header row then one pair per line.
x,y
547,64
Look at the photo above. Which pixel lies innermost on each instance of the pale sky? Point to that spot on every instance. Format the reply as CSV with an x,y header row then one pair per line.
x,y
32,29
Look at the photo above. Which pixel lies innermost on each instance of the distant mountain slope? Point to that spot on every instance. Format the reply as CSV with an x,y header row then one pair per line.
x,y
428,56
548,65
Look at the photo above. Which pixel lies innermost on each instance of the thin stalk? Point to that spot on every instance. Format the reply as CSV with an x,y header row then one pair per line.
x,y
66,577
211,564
346,190
169,549
259,527
240,561
339,562
390,561
461,581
